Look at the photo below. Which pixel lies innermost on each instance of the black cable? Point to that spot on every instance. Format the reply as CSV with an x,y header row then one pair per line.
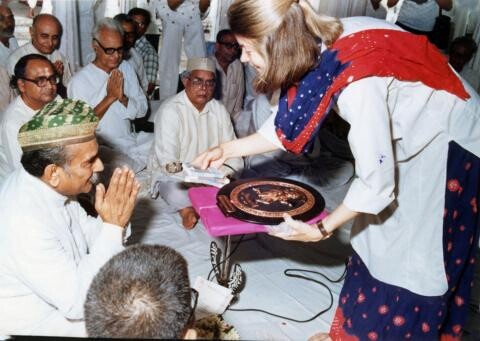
x,y
288,274
237,244
228,166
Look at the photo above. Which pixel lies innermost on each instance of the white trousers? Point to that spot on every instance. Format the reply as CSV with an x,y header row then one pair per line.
x,y
170,52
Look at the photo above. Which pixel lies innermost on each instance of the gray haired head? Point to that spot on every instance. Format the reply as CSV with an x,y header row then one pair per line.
x,y
108,24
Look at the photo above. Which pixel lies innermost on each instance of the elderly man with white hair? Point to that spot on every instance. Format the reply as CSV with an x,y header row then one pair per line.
x,y
111,87
186,124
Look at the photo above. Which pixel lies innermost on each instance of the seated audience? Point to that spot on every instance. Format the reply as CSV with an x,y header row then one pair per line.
x,y
46,34
111,87
50,249
36,81
187,124
130,54
143,18
8,43
230,86
462,50
142,292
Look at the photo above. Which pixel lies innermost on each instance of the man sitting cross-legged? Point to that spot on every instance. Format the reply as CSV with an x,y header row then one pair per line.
x,y
187,124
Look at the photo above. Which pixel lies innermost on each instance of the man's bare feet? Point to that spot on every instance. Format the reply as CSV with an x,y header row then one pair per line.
x,y
189,217
320,337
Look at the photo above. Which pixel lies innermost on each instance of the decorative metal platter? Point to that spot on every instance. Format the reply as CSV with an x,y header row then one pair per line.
x,y
265,200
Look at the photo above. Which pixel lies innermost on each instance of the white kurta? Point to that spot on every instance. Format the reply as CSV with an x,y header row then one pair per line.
x,y
5,51
50,250
230,87
17,114
53,57
182,24
136,61
399,137
115,127
182,132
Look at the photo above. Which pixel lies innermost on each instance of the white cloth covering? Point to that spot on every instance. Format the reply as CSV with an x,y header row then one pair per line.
x,y
399,137
5,51
50,249
16,114
53,57
115,128
183,23
136,61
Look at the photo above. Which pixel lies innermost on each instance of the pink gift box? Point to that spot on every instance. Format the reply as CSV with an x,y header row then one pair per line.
x,y
204,201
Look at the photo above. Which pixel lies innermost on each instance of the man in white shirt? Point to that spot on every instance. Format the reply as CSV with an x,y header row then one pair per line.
x,y
6,93
230,78
111,87
8,43
46,33
187,124
50,249
36,81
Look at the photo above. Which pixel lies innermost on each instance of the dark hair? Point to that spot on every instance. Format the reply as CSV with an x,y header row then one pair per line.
x,y
465,41
124,18
142,292
36,161
20,69
222,34
143,12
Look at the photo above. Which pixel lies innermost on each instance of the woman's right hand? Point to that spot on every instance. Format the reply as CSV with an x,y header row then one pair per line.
x,y
214,157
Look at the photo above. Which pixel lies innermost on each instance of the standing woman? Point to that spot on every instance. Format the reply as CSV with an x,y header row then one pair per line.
x,y
415,136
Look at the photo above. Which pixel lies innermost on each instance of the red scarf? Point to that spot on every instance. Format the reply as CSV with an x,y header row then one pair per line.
x,y
380,53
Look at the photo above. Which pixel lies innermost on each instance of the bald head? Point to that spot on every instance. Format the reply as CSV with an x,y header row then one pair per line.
x,y
7,22
46,32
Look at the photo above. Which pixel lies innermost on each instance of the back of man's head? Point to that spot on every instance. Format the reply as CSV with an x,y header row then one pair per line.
x,y
142,292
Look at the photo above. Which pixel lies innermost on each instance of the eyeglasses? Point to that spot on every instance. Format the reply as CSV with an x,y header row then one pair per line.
x,y
110,50
230,45
193,305
200,83
41,82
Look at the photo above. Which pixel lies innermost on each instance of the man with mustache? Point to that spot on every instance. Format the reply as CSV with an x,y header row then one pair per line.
x,y
36,81
50,249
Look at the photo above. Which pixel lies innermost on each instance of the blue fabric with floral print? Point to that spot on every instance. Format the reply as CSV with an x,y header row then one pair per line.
x,y
373,310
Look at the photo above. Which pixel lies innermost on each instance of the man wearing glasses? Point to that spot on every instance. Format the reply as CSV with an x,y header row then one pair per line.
x,y
36,80
187,124
230,79
46,33
110,85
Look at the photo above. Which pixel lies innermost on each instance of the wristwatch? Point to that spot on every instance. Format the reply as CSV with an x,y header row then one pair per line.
x,y
323,231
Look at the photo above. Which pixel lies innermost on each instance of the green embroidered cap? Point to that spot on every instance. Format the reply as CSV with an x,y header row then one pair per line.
x,y
59,123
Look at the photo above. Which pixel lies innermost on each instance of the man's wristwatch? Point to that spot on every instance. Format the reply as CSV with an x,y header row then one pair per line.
x,y
323,231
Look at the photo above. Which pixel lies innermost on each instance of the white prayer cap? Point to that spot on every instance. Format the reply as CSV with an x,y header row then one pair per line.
x,y
198,63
